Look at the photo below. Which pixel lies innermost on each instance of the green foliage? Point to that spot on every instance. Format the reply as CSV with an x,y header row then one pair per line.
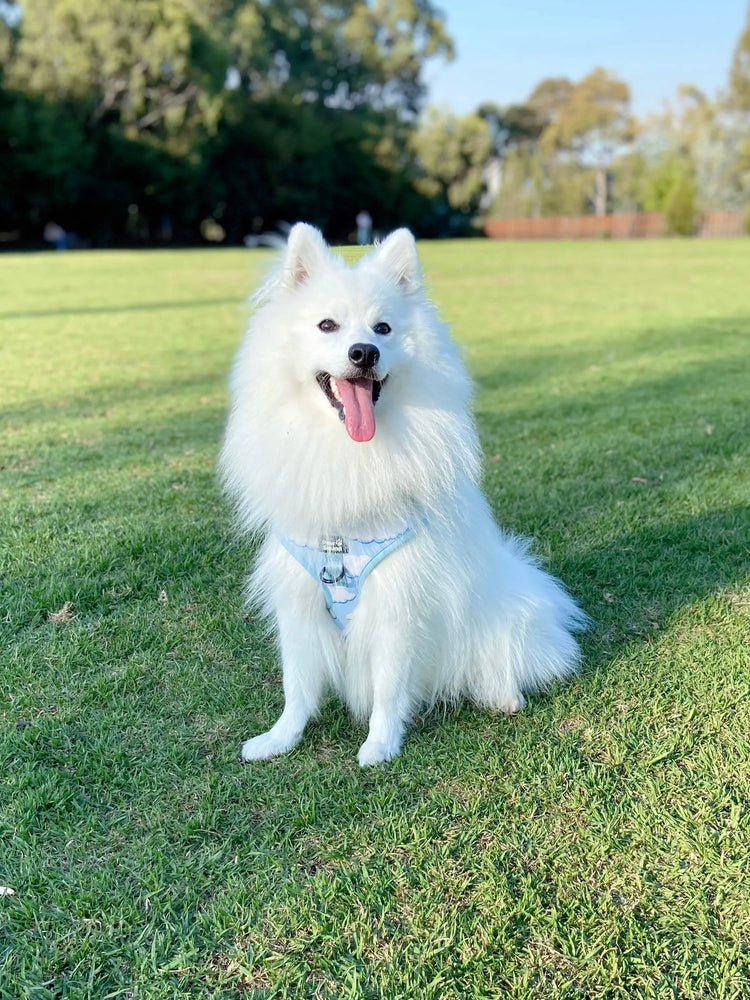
x,y
162,64
565,136
47,156
452,151
177,112
680,212
314,123
549,96
156,66
668,172
589,121
739,77
594,846
6,46
704,138
511,127
263,149
535,185
590,117
342,53
394,38
85,179
670,188
566,189
517,196
629,171
577,135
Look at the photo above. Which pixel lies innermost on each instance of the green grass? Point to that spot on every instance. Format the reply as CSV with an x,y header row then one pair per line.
x,y
594,847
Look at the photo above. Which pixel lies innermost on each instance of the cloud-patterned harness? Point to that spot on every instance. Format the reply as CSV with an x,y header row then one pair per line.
x,y
341,566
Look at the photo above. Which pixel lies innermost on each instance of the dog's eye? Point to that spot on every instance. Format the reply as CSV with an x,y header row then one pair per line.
x,y
328,325
381,328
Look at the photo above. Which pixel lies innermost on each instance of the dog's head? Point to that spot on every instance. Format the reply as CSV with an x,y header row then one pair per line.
x,y
346,330
350,402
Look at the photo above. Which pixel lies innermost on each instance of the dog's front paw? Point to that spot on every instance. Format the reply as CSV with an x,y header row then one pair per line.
x,y
266,745
513,705
374,752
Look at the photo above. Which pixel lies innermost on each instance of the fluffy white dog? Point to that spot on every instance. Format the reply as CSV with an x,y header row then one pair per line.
x,y
351,450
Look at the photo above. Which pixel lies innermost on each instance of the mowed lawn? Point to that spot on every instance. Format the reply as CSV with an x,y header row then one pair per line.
x,y
596,846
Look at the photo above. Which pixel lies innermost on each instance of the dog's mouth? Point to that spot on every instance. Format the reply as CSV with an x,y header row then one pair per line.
x,y
354,399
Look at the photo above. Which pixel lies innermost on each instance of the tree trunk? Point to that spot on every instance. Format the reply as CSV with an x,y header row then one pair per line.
x,y
600,194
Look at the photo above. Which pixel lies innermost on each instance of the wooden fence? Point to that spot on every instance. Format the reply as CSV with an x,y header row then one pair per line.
x,y
618,225
724,223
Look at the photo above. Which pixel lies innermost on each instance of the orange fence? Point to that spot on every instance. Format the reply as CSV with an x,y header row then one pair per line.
x,y
618,225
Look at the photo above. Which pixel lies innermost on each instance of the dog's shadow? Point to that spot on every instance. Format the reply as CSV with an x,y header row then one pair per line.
x,y
630,494
635,584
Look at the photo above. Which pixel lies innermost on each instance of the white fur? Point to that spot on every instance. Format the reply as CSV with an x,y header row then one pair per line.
x,y
460,609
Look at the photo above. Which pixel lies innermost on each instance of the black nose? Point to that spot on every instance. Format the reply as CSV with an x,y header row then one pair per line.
x,y
364,355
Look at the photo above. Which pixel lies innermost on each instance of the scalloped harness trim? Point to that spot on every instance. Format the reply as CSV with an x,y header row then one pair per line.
x,y
341,565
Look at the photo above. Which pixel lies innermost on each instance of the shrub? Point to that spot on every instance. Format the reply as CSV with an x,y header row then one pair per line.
x,y
679,208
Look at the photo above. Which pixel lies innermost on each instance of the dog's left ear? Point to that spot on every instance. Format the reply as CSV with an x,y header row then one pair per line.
x,y
397,256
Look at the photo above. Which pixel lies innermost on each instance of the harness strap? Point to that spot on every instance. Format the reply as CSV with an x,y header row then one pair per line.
x,y
341,566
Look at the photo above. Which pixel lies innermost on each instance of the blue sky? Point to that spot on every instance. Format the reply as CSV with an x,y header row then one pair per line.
x,y
503,49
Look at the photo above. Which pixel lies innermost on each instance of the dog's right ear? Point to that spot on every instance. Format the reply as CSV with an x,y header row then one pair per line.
x,y
306,250
397,256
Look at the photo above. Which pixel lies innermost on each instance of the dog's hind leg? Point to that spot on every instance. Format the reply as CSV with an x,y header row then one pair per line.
x,y
303,657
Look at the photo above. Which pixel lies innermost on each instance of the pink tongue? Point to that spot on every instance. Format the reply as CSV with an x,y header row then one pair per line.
x,y
359,409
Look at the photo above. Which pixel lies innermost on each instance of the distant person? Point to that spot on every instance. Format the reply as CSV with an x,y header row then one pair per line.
x,y
56,235
364,228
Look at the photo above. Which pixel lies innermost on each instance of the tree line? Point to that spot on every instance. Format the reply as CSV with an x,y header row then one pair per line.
x,y
574,147
180,120
165,118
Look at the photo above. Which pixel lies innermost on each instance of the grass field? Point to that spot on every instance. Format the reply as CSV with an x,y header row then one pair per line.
x,y
596,846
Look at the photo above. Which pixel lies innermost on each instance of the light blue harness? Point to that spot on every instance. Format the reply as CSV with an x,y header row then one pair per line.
x,y
341,566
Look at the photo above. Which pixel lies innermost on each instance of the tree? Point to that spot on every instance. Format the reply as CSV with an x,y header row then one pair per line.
x,y
739,76
274,161
629,172
44,161
589,120
558,145
548,96
739,110
344,53
452,151
666,174
179,110
514,131
679,207
512,126
156,66
161,65
708,139
6,43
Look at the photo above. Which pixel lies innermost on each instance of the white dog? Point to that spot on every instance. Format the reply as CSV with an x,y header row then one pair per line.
x,y
351,449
